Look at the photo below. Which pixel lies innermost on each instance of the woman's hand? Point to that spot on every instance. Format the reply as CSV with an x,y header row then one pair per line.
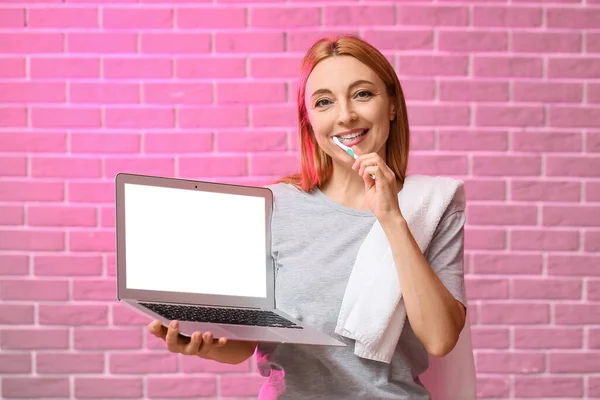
x,y
381,193
199,345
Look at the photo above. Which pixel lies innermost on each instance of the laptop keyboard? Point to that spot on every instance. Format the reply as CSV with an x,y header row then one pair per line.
x,y
234,316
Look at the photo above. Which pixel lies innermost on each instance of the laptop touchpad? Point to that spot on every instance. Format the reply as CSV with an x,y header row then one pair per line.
x,y
188,328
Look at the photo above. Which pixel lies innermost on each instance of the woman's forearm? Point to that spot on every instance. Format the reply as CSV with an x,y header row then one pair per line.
x,y
435,315
234,352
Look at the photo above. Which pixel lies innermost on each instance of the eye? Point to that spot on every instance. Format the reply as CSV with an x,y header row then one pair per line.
x,y
363,94
322,103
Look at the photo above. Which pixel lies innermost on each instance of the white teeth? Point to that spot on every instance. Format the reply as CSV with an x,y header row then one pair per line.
x,y
346,138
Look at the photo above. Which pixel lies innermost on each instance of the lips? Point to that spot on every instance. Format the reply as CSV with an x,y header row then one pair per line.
x,y
357,136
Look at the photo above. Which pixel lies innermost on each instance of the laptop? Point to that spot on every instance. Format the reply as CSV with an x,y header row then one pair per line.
x,y
200,253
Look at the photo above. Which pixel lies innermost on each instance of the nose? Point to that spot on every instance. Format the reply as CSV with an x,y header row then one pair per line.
x,y
346,113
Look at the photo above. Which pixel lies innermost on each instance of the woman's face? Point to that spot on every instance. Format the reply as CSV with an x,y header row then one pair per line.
x,y
347,99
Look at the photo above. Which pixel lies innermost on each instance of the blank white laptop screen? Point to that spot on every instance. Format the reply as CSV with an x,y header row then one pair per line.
x,y
191,241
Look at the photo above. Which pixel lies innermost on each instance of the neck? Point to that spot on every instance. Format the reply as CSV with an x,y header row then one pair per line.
x,y
345,187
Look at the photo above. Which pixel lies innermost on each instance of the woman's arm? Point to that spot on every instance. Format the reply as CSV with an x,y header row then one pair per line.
x,y
436,317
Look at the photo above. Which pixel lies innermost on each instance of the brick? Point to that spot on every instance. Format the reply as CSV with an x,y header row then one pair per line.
x,y
71,314
36,290
13,166
546,42
251,141
71,167
592,241
515,313
488,387
62,18
213,117
104,289
548,387
210,166
108,217
90,192
573,265
593,93
507,264
177,93
178,142
142,363
435,115
507,16
432,15
508,67
592,45
404,40
490,338
485,239
593,290
469,91
302,40
521,115
358,15
544,240
32,142
594,382
13,117
14,314
137,68
12,18
546,141
30,387
531,190
71,265
158,166
175,43
150,118
250,92
428,65
579,166
211,18
473,141
12,67
65,117
33,92
61,216
210,67
546,288
14,264
104,92
274,164
103,143
71,68
275,116
571,116
548,92
124,316
182,387
574,363
484,288
548,338
577,314
502,214
105,42
592,141
419,140
31,42
102,241
101,388
15,364
472,41
583,215
418,89
284,66
479,189
592,191
491,165
32,240
137,18
107,339
249,42
436,164
574,18
593,336
12,215
285,17
201,365
507,363
573,67
240,385
57,363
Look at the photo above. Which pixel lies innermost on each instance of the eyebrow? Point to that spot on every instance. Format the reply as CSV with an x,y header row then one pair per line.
x,y
355,83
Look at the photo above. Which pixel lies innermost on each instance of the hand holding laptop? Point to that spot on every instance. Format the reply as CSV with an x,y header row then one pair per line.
x,y
202,345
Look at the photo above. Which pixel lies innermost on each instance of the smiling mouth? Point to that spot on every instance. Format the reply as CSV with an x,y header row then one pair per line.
x,y
352,136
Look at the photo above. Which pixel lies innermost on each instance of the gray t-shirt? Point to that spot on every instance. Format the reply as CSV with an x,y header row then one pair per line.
x,y
315,242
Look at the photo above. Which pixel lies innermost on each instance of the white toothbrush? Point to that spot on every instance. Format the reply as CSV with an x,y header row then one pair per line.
x,y
347,150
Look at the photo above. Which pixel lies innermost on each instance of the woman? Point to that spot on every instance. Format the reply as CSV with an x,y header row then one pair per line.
x,y
323,214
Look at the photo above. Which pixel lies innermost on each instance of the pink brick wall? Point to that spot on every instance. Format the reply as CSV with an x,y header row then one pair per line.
x,y
505,96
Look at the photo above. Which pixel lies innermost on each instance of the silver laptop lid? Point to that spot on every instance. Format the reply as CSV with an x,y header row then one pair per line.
x,y
193,242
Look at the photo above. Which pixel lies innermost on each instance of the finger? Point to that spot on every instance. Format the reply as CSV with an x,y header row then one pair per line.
x,y
194,345
172,338
207,343
157,329
220,342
